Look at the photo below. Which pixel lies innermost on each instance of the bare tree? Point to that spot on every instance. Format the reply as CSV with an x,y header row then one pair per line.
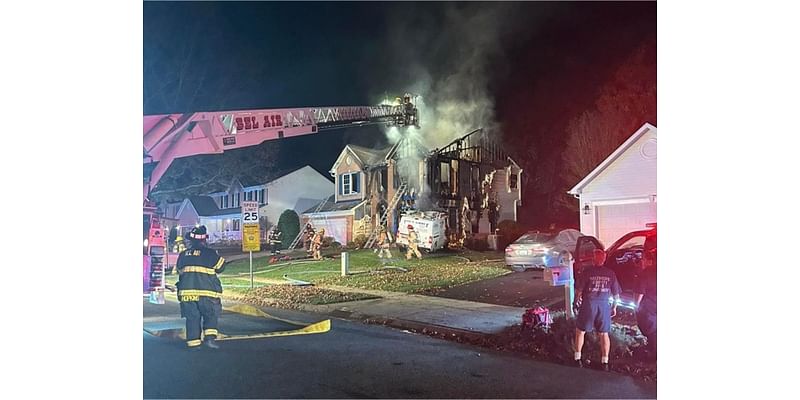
x,y
626,102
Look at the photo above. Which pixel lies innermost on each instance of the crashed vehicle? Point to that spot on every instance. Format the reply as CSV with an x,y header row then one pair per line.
x,y
537,250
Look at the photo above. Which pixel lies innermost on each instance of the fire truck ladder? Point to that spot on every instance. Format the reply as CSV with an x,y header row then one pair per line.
x,y
385,216
303,228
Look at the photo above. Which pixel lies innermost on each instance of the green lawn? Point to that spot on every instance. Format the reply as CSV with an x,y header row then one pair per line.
x,y
438,270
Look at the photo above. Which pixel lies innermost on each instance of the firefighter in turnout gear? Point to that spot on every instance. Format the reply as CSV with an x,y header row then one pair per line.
x,y
383,244
308,238
413,240
316,244
199,289
275,239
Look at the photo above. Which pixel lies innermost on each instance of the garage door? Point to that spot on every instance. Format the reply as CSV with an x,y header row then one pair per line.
x,y
335,227
613,221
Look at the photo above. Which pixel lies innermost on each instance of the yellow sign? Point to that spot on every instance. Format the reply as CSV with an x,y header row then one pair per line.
x,y
251,238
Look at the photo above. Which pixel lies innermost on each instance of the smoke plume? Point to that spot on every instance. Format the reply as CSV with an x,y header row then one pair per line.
x,y
448,57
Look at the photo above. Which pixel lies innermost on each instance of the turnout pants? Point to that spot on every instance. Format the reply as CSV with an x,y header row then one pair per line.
x,y
413,250
204,314
384,250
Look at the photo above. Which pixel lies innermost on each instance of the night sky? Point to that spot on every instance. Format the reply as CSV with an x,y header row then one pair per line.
x,y
524,70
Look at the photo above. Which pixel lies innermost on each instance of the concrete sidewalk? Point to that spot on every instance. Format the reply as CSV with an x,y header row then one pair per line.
x,y
409,311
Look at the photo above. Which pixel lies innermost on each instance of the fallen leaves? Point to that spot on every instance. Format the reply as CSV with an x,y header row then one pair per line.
x,y
292,297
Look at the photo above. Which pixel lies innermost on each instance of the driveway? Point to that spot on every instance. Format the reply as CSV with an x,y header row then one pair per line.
x,y
517,289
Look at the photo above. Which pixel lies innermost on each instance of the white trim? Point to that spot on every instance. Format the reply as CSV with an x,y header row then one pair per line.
x,y
341,213
611,158
339,159
330,214
613,202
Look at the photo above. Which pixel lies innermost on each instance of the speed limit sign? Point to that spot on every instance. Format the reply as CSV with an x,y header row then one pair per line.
x,y
250,212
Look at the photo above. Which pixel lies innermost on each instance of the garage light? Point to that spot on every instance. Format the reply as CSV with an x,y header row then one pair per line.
x,y
586,209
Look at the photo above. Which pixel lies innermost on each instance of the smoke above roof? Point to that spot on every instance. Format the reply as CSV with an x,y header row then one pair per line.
x,y
448,56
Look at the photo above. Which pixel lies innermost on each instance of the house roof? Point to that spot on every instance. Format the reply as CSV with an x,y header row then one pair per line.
x,y
369,157
613,157
206,207
264,179
332,205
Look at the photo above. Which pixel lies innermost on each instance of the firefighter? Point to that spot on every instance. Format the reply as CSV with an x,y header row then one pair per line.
x,y
383,244
308,238
316,244
180,246
199,289
494,213
412,243
275,239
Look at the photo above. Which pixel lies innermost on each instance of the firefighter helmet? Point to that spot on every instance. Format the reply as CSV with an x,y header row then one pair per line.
x,y
198,233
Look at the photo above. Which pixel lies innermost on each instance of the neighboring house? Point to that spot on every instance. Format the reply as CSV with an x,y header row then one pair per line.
x,y
367,180
296,190
221,211
619,195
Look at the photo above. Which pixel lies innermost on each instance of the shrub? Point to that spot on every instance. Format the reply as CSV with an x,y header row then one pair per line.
x,y
327,241
289,225
562,339
476,243
509,231
358,242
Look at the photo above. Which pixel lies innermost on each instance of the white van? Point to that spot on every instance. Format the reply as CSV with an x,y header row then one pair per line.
x,y
430,227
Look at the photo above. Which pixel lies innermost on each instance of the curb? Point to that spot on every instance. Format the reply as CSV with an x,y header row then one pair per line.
x,y
399,323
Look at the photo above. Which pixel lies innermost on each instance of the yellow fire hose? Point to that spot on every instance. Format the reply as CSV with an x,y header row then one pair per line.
x,y
244,309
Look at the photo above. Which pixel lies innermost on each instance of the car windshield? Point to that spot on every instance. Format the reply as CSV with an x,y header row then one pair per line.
x,y
534,237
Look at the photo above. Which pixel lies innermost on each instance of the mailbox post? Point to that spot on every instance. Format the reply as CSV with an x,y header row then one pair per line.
x,y
562,276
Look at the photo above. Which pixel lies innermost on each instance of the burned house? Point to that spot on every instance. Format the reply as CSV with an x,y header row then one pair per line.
x,y
475,182
466,179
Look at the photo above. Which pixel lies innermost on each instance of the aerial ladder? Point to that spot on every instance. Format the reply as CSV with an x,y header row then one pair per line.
x,y
172,136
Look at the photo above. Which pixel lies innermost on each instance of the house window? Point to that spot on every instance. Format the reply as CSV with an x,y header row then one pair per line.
x,y
236,200
225,201
349,184
512,181
263,196
236,224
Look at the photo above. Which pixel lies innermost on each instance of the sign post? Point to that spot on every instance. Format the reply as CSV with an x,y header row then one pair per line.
x,y
251,237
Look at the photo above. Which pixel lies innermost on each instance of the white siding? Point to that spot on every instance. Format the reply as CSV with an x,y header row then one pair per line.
x,y
508,198
188,217
295,191
630,179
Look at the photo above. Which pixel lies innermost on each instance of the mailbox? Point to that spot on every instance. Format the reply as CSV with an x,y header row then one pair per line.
x,y
558,276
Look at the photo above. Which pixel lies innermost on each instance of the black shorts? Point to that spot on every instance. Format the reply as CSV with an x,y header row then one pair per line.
x,y
594,315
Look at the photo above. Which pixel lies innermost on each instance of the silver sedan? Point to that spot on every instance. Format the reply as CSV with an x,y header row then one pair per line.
x,y
540,250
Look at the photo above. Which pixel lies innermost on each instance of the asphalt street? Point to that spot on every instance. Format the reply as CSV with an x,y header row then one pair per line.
x,y
354,360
